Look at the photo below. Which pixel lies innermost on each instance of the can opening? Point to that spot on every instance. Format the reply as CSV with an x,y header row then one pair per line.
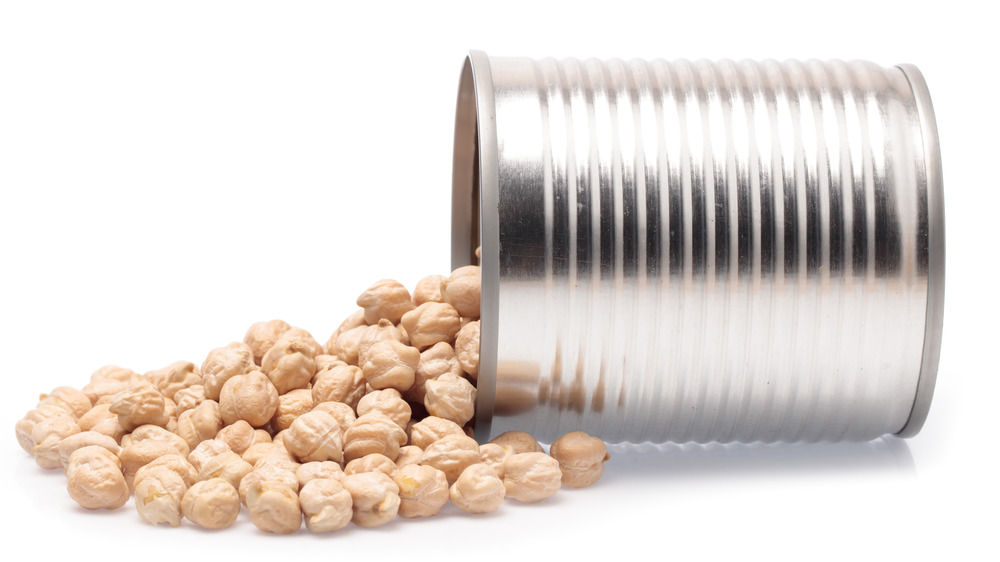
x,y
465,175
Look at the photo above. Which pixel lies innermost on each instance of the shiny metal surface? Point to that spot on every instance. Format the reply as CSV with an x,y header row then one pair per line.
x,y
701,251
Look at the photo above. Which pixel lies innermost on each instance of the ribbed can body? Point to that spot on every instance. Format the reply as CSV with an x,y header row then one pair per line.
x,y
706,251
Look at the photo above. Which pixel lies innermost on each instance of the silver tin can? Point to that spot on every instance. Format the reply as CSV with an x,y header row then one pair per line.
x,y
701,251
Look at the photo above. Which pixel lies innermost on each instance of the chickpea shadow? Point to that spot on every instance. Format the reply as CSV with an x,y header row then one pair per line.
x,y
885,454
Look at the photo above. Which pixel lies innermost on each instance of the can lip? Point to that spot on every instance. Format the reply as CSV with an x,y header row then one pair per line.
x,y
475,182
934,320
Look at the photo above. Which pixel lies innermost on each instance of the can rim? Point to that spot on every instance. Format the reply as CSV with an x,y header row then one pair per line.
x,y
475,182
934,319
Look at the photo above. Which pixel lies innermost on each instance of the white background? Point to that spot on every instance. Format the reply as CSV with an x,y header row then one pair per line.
x,y
172,172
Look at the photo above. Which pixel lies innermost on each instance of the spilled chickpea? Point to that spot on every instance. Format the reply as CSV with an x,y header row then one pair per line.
x,y
371,426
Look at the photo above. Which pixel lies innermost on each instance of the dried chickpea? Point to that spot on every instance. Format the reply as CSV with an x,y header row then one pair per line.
x,y
373,432
157,433
381,331
190,398
85,439
428,289
391,364
341,412
26,424
137,455
355,320
581,458
461,290
531,477
423,490
274,507
72,399
281,459
408,455
268,473
318,469
240,436
261,450
172,462
435,361
324,362
94,479
158,496
315,436
450,397
389,402
431,323
222,364
212,504
47,434
291,405
373,462
432,428
261,336
467,348
289,365
101,419
519,441
478,489
206,451
228,466
302,336
250,397
346,345
174,377
326,504
375,498
451,454
200,424
140,403
387,299
494,455
342,383
108,381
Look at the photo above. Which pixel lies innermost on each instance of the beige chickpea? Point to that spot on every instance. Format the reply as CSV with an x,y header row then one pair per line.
x,y
461,290
467,348
74,400
222,364
291,405
531,477
408,455
389,402
451,454
101,419
212,504
387,299
346,345
423,490
140,403
435,361
174,377
137,455
342,383
324,362
47,434
450,397
318,469
381,331
432,428
301,335
94,479
518,441
172,462
375,498
373,432
428,289
355,320
156,433
190,398
68,445
391,364
581,458
274,507
281,459
327,506
478,489
158,496
228,466
259,451
261,336
250,397
431,323
108,381
241,435
494,455
315,436
268,473
373,462
289,365
341,412
200,424
26,424
206,451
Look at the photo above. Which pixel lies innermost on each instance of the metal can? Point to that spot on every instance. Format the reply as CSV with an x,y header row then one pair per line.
x,y
701,251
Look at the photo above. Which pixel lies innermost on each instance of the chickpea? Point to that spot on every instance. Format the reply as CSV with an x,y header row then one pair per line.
x,y
140,403
324,362
581,458
423,490
302,336
26,425
72,399
408,455
531,477
282,459
341,412
391,364
494,455
199,424
428,289
373,432
355,320
212,504
450,397
373,462
174,377
478,489
387,299
157,433
519,441
451,454
326,504
375,498
289,365
108,381
389,402
274,507
431,323
347,343
432,428
172,462
137,455
47,434
318,469
435,361
382,331
461,290
261,336
190,398
250,397
261,450
101,419
290,406
158,496
467,348
315,436
342,383
224,363
268,473
206,451
68,445
228,466
94,479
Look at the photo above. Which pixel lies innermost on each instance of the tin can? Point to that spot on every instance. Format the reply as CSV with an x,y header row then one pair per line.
x,y
701,251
